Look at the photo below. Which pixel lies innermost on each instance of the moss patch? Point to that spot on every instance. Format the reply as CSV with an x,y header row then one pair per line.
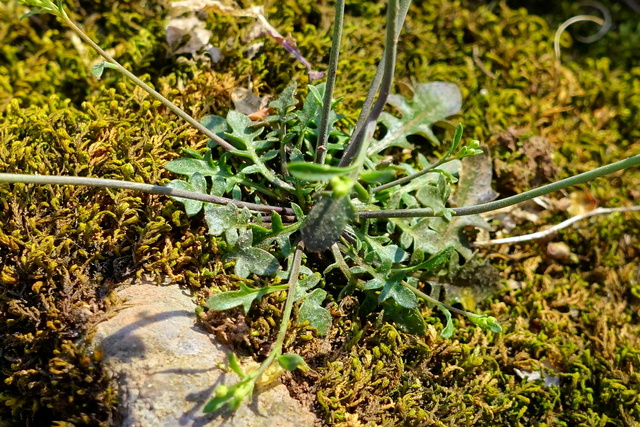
x,y
63,250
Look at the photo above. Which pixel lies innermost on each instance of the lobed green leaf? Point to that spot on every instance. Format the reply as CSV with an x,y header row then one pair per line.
x,y
291,362
243,297
312,311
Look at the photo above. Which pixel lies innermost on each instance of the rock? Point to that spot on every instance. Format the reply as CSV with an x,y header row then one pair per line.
x,y
167,367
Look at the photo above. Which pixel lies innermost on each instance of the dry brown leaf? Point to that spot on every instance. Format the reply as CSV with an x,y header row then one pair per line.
x,y
190,28
581,203
247,102
223,7
231,8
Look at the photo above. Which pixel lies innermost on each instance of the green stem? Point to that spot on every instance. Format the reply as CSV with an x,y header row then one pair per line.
x,y
177,110
411,177
268,173
286,315
323,136
455,143
391,46
342,264
432,300
357,138
259,187
137,186
518,198
291,295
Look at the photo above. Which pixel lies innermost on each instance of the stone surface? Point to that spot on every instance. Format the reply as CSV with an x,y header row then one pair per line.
x,y
167,367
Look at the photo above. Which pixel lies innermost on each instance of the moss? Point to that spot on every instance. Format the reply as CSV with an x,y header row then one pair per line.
x,y
64,250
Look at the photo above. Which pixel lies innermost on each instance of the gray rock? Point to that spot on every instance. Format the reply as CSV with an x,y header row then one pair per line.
x,y
167,367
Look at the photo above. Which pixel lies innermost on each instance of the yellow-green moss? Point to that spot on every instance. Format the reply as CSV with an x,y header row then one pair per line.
x,y
62,250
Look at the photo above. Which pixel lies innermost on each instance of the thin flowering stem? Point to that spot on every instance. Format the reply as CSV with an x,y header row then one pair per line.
x,y
57,10
323,131
138,186
177,110
503,203
356,138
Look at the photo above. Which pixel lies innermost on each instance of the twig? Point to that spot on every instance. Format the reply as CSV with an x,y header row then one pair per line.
x,y
564,224
137,186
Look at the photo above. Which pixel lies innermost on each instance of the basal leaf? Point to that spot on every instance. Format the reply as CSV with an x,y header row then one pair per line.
x,y
387,255
448,329
376,283
433,264
326,222
218,186
408,320
291,362
474,186
310,107
297,211
443,234
190,166
269,155
316,92
393,289
390,255
306,284
245,239
434,195
243,297
431,102
311,310
220,218
276,222
241,135
285,101
227,219
194,154
255,260
249,169
215,124
417,234
198,184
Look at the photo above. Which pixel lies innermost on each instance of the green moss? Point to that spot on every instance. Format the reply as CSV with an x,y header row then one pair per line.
x,y
63,250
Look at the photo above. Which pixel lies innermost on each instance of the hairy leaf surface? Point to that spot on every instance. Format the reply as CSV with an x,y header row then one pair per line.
x,y
431,102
